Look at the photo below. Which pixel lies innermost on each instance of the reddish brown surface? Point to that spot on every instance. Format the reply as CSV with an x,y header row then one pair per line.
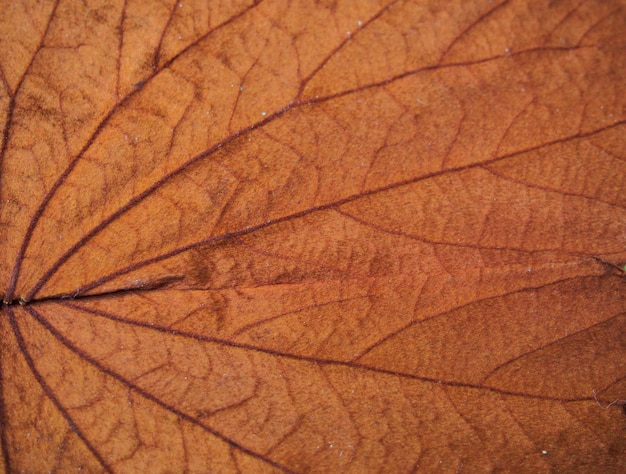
x,y
313,236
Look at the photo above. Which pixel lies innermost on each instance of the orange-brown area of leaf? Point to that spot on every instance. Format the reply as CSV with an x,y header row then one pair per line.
x,y
297,236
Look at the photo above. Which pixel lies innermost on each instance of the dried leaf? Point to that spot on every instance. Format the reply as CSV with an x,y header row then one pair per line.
x,y
264,236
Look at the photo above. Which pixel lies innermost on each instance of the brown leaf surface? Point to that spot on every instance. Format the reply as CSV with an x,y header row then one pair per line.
x,y
264,236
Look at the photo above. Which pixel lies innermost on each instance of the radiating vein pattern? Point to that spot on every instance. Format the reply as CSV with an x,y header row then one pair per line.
x,y
312,236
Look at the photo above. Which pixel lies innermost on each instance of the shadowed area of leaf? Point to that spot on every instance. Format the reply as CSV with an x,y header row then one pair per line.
x,y
297,236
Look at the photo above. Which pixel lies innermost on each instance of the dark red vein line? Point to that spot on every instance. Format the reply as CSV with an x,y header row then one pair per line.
x,y
445,159
513,122
13,96
293,312
163,284
621,271
439,67
346,41
603,148
476,22
416,465
425,240
465,418
114,375
467,305
158,284
72,164
5,81
240,404
513,415
609,385
575,414
157,51
511,179
240,91
598,23
568,15
545,346
309,359
293,430
297,215
50,393
4,442
5,138
120,48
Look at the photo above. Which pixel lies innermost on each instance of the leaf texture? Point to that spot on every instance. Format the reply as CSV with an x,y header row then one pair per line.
x,y
313,236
